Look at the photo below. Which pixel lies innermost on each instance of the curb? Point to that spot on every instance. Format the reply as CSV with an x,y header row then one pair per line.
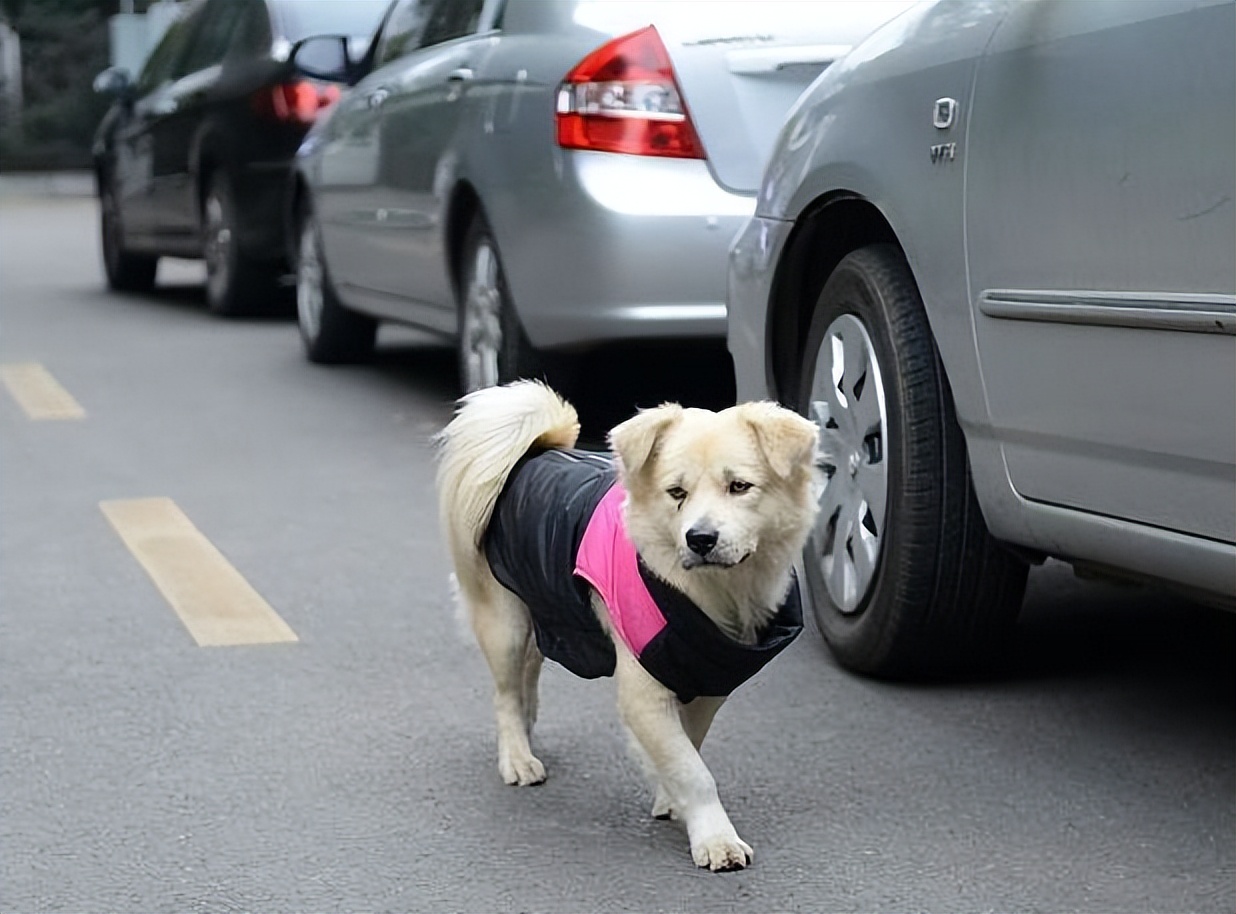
x,y
47,184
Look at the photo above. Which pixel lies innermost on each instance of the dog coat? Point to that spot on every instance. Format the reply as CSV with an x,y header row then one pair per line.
x,y
557,529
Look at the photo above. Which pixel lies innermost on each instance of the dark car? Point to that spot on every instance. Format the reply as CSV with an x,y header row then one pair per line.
x,y
193,158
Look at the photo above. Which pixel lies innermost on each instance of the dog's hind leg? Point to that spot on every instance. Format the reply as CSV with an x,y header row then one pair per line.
x,y
533,660
504,631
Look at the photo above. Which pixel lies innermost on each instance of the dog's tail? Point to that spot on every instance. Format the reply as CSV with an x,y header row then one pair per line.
x,y
493,428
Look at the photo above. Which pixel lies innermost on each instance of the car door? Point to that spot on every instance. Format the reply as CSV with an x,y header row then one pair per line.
x,y
347,195
1101,225
182,109
421,121
134,168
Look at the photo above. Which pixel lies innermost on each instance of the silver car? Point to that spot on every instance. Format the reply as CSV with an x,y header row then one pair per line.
x,y
994,255
535,177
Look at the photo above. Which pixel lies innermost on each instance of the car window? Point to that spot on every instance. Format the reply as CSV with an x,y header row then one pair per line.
x,y
210,42
162,63
402,32
499,14
447,19
252,34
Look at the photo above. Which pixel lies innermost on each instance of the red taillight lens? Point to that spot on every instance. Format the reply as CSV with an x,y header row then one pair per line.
x,y
623,97
295,102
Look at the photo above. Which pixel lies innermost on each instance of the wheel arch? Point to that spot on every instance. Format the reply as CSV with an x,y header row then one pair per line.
x,y
826,232
210,153
465,204
101,171
299,202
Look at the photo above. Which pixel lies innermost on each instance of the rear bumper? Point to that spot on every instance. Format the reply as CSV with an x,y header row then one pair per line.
x,y
623,248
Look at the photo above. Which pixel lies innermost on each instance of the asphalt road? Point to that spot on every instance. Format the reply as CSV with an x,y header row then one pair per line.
x,y
352,769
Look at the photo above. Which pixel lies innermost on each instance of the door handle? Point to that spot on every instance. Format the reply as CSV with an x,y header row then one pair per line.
x,y
376,98
460,74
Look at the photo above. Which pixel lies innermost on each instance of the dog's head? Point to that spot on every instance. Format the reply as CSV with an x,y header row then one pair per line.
x,y
710,490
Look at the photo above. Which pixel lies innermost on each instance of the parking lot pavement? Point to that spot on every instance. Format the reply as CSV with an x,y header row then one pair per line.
x,y
301,726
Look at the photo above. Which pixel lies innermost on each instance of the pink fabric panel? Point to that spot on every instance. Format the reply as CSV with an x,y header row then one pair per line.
x,y
607,560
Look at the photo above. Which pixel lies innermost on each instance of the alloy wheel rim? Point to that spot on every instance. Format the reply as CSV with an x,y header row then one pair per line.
x,y
848,403
309,285
217,247
482,325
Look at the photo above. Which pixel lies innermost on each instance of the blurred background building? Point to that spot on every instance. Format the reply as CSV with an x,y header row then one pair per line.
x,y
50,52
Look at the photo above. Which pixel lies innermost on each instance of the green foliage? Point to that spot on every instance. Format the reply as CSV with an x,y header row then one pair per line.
x,y
64,44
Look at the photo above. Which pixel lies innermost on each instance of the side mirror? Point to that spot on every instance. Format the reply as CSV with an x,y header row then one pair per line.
x,y
113,81
323,57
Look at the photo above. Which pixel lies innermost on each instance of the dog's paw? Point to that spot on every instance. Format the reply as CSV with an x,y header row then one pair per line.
x,y
722,852
522,772
663,806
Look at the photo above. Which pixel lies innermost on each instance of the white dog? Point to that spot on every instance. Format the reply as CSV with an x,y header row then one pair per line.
x,y
669,568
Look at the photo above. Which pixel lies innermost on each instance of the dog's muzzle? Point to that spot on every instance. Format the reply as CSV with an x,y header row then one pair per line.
x,y
692,560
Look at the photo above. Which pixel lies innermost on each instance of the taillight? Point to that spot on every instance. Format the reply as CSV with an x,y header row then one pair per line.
x,y
623,98
295,102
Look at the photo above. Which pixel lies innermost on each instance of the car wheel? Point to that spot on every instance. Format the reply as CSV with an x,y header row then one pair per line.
x,y
125,272
236,285
330,332
904,578
493,347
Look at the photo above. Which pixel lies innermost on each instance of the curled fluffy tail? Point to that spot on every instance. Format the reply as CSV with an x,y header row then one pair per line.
x,y
493,428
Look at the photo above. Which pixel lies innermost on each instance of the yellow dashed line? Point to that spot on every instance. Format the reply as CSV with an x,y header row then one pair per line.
x,y
38,393
213,600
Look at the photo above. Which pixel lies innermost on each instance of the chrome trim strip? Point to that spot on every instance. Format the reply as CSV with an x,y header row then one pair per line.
x,y
1185,312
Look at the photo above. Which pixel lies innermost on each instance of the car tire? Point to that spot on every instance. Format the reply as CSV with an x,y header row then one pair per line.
x,y
126,272
904,578
331,333
492,345
236,284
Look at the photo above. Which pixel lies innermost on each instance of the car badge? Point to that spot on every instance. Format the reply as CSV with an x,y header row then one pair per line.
x,y
943,113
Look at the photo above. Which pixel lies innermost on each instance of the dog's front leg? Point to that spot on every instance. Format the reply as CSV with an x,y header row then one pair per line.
x,y
651,712
696,719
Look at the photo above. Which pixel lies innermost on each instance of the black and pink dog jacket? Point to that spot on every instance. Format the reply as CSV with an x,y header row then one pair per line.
x,y
556,529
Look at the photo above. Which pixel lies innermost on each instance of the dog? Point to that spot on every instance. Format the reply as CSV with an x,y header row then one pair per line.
x,y
667,563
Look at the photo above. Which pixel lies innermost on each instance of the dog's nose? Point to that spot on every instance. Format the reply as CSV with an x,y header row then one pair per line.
x,y
701,541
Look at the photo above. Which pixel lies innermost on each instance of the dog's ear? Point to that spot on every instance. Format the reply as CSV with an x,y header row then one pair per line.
x,y
788,441
634,441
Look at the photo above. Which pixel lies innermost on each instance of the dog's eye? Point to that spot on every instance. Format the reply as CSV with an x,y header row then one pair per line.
x,y
738,486
678,493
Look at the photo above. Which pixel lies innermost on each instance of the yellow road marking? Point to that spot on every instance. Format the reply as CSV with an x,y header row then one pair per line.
x,y
38,393
213,600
